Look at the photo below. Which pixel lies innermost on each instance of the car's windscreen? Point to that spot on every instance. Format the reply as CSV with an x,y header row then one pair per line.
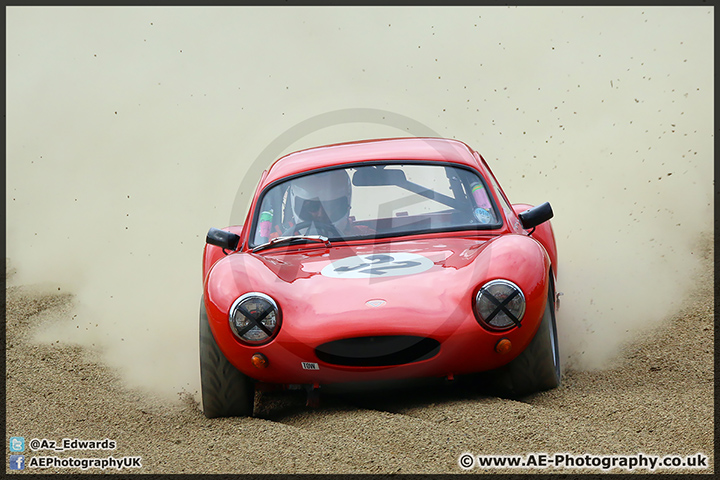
x,y
375,201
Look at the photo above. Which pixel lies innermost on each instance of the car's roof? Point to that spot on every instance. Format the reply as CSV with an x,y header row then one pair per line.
x,y
411,148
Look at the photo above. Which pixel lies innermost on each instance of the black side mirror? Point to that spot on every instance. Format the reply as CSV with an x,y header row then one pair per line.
x,y
535,216
223,239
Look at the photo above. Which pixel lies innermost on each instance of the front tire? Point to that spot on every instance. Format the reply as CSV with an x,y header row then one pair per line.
x,y
226,391
537,368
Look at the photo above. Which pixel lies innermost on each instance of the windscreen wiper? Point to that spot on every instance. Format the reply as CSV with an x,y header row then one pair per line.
x,y
278,241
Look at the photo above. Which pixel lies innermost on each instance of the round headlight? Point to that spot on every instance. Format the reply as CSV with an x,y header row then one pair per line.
x,y
500,304
254,318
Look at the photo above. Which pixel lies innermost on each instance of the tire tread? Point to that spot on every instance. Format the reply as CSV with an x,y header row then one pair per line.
x,y
226,391
534,369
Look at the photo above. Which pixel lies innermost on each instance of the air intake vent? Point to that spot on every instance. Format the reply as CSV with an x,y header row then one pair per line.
x,y
381,351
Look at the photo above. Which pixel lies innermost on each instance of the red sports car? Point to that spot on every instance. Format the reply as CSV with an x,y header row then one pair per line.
x,y
378,260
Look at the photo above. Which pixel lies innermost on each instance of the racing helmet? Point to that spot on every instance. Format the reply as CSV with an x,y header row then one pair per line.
x,y
322,197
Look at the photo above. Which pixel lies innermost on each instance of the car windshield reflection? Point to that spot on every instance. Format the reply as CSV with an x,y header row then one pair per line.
x,y
376,200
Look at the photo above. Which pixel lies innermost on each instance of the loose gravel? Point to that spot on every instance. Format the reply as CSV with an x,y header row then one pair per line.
x,y
658,400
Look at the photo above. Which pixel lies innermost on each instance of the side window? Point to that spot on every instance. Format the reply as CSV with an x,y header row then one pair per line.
x,y
269,223
504,203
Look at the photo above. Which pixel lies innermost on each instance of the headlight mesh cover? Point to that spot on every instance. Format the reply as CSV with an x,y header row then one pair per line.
x,y
254,318
500,304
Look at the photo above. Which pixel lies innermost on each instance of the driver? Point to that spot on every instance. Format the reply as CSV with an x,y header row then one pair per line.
x,y
321,201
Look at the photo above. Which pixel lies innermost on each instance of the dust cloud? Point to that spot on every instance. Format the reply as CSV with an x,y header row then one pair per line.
x,y
129,131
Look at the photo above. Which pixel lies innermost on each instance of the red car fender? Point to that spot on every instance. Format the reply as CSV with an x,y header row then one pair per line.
x,y
525,262
226,287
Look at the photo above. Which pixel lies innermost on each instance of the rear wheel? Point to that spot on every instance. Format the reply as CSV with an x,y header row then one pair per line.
x,y
226,391
538,366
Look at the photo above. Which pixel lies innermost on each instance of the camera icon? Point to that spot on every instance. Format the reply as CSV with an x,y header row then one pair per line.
x,y
17,444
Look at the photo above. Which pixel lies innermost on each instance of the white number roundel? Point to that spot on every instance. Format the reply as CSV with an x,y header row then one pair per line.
x,y
378,265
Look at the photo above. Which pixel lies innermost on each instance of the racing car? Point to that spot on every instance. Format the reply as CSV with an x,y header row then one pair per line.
x,y
378,260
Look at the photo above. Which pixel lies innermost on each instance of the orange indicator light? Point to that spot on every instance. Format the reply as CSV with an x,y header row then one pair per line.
x,y
503,346
259,360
